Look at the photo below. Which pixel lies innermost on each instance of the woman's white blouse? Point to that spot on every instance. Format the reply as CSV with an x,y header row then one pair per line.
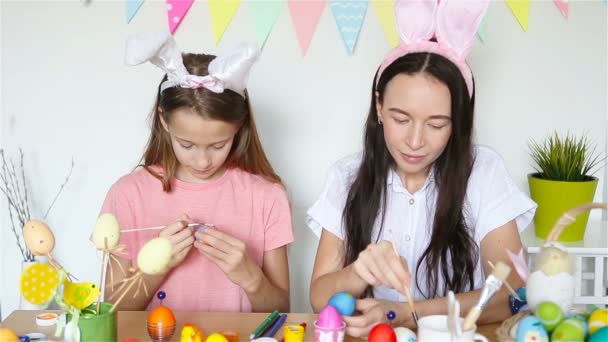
x,y
492,199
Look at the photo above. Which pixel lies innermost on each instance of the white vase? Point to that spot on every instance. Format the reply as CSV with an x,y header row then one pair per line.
x,y
24,304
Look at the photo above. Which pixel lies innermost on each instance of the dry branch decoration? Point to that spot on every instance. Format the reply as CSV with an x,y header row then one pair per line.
x,y
13,185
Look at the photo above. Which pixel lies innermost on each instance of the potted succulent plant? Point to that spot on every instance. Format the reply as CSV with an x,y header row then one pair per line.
x,y
563,180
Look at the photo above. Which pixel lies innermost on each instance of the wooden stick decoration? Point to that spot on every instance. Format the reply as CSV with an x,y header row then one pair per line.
x,y
406,290
158,228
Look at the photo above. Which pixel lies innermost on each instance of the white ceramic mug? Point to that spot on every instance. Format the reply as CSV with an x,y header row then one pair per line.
x,y
435,329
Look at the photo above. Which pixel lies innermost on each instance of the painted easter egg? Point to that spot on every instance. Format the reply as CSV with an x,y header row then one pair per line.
x,y
216,337
597,320
344,302
569,330
549,314
154,257
382,333
8,335
162,316
39,283
329,317
191,333
600,335
405,335
106,227
38,237
531,329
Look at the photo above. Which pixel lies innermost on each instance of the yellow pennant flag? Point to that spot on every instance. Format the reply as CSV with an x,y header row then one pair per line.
x,y
221,12
385,11
521,11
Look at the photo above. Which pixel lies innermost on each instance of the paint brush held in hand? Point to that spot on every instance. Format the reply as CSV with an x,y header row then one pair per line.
x,y
410,299
492,285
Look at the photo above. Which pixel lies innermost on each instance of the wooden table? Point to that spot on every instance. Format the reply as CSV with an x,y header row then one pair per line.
x,y
132,324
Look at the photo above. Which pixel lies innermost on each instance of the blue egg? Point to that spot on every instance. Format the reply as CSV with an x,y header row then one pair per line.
x,y
600,335
344,302
531,329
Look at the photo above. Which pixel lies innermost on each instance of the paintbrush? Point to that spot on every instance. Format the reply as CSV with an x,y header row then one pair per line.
x,y
406,290
513,293
493,283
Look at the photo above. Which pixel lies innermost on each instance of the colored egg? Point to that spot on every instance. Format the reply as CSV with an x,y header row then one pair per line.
x,y
161,315
106,227
329,317
344,302
549,314
569,330
382,333
154,257
600,335
531,329
405,335
8,335
39,283
216,337
597,320
38,237
580,318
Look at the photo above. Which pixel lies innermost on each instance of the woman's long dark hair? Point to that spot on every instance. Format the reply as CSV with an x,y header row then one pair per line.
x,y
452,254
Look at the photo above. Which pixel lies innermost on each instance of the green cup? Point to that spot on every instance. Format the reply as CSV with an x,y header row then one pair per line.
x,y
97,328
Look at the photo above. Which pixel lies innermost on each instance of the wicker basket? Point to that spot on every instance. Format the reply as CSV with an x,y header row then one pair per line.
x,y
503,333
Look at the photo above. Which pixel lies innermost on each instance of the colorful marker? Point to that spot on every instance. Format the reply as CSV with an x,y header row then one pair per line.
x,y
264,324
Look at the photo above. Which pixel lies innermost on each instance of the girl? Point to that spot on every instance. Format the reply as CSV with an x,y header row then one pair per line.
x,y
204,164
450,205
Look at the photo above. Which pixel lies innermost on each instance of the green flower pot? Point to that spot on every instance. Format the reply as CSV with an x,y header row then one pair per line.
x,y
97,328
554,198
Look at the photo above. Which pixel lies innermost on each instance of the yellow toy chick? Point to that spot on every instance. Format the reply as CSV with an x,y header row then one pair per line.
x,y
192,333
80,295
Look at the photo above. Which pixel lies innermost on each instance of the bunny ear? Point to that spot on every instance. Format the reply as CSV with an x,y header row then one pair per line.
x,y
415,19
457,23
520,264
159,48
233,67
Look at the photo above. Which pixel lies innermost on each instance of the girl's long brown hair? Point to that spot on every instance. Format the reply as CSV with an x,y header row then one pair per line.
x,y
246,153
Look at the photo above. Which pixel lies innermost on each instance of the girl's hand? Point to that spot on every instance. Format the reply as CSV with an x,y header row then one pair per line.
x,y
378,264
181,238
372,312
230,255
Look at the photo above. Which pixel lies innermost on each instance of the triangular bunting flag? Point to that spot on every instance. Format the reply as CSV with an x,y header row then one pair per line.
x,y
349,16
221,12
521,11
176,11
305,15
562,5
385,11
483,26
131,8
264,14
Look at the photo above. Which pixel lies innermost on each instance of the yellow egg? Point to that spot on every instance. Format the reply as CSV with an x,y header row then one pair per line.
x,y
154,257
216,338
598,319
106,227
38,237
7,335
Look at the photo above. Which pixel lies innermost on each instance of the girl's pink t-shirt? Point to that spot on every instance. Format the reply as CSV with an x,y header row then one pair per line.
x,y
243,205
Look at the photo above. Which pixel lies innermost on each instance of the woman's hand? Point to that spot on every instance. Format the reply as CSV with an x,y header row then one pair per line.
x,y
378,265
181,238
230,255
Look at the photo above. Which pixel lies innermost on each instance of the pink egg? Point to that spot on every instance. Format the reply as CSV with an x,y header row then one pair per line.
x,y
329,318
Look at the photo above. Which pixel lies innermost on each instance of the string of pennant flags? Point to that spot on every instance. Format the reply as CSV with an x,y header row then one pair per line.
x,y
305,14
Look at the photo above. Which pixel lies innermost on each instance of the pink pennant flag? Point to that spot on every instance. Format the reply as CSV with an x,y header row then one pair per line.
x,y
563,6
176,11
305,15
519,263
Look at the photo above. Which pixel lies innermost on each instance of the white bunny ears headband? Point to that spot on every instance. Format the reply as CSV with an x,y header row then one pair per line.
x,y
453,23
227,71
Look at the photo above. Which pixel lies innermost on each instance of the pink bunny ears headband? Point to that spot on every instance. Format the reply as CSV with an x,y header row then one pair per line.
x,y
227,71
453,23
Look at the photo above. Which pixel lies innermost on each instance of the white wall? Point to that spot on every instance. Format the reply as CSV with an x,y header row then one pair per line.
x,y
67,94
